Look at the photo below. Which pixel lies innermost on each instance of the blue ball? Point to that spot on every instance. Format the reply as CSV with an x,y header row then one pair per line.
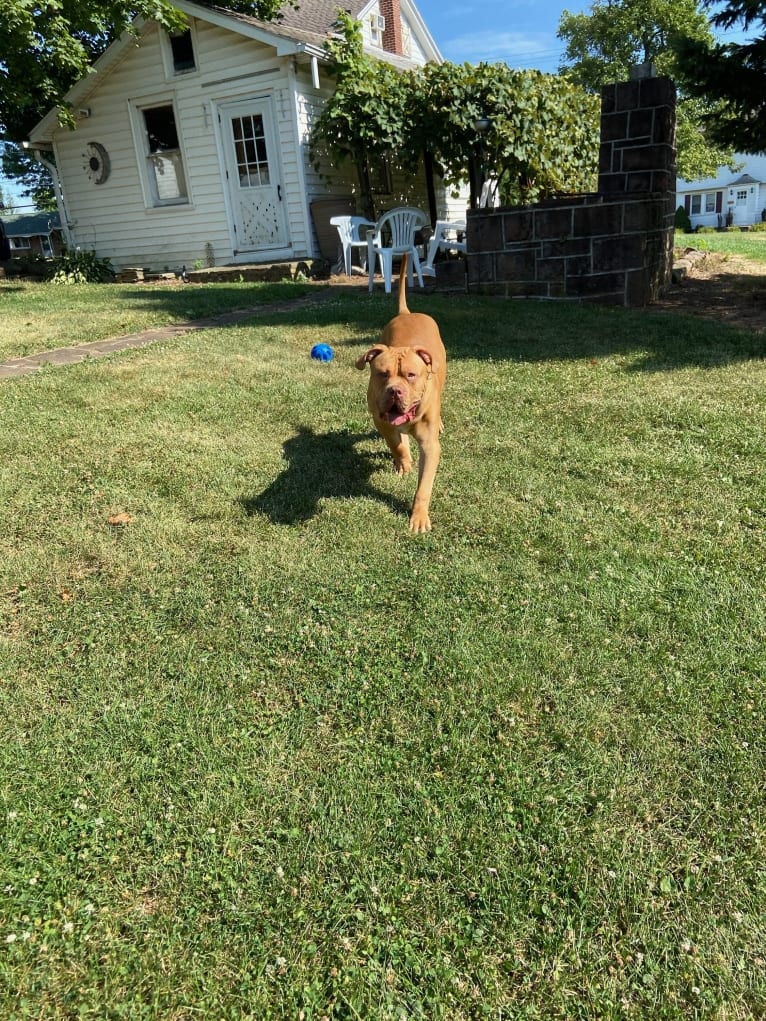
x,y
322,352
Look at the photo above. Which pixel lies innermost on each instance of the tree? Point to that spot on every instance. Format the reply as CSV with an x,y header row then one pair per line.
x,y
7,204
47,47
540,132
731,76
602,46
31,177
364,119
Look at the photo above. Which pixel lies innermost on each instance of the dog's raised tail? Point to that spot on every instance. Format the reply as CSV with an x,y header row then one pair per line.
x,y
402,285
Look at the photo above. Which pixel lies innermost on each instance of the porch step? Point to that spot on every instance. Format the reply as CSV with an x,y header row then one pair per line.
x,y
264,273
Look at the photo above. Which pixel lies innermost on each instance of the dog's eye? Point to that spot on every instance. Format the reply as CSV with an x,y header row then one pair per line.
x,y
412,375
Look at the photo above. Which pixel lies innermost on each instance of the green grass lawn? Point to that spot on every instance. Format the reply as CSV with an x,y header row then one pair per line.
x,y
267,755
746,244
37,317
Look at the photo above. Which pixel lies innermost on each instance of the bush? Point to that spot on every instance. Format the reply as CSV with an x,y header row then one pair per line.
x,y
706,230
682,221
29,265
82,268
759,226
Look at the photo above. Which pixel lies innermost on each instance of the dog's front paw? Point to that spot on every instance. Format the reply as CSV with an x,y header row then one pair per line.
x,y
420,522
401,466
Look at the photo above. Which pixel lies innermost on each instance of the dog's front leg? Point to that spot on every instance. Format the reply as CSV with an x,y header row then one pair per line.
x,y
399,445
430,453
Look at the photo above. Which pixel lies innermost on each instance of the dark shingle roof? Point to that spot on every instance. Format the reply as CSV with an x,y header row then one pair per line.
x,y
745,179
310,21
27,225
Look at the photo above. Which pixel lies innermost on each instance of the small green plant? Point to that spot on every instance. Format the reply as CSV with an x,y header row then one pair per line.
x,y
209,255
683,221
759,227
80,267
706,230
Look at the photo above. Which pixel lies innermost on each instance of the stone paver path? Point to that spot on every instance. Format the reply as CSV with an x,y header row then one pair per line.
x,y
16,367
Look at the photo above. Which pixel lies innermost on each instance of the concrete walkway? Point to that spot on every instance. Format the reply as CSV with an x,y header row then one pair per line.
x,y
16,367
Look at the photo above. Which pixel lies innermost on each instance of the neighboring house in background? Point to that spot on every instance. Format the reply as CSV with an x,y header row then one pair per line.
x,y
33,234
192,149
735,198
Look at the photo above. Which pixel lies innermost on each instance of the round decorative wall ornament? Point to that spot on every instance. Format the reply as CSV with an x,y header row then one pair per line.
x,y
96,164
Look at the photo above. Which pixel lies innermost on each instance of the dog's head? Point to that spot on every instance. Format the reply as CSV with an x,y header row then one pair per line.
x,y
398,380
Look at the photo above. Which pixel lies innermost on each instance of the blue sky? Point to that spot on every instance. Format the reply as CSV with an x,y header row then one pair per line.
x,y
522,33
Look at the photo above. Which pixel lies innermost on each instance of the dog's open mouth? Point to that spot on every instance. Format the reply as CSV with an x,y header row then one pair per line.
x,y
398,417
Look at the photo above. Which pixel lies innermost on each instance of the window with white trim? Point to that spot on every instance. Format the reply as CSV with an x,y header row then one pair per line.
x,y
704,202
163,158
377,28
742,197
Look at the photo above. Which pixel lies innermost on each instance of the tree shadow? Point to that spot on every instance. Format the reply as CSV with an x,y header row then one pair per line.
x,y
321,466
674,333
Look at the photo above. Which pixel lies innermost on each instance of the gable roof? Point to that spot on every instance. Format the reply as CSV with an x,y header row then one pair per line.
x,y
745,179
304,28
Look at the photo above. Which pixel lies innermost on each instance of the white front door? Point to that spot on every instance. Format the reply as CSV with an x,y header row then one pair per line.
x,y
253,173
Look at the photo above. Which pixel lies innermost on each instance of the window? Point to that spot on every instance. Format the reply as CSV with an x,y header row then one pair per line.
x,y
182,50
710,202
20,243
696,203
165,167
377,28
742,197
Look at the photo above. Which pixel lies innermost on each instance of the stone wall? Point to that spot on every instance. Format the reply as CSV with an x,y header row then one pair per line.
x,y
614,245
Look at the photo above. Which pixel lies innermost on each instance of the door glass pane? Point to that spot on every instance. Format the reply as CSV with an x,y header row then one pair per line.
x,y
250,151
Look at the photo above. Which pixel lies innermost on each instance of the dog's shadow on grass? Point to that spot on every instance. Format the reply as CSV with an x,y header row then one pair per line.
x,y
321,466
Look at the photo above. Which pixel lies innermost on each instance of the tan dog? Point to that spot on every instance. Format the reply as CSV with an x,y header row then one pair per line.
x,y
407,373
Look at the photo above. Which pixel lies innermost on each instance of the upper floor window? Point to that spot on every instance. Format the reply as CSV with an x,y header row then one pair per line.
x,y
377,28
182,50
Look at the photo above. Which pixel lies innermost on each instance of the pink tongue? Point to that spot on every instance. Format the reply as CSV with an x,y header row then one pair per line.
x,y
401,419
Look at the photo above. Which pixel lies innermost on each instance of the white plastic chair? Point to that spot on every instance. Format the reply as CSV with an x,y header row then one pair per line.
x,y
394,234
440,241
353,234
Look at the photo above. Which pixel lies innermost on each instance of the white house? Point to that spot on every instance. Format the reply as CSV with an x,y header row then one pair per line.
x,y
731,198
192,149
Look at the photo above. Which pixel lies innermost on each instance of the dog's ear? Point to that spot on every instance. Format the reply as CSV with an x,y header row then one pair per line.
x,y
373,353
425,355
